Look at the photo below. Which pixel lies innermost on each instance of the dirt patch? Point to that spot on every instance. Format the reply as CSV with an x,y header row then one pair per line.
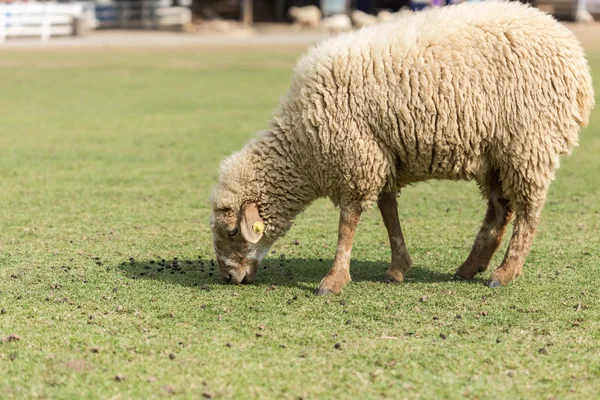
x,y
11,338
170,389
283,37
78,365
158,39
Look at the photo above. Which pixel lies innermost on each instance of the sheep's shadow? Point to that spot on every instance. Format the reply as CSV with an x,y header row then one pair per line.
x,y
303,273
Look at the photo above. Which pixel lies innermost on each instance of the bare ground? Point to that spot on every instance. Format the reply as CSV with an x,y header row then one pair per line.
x,y
267,35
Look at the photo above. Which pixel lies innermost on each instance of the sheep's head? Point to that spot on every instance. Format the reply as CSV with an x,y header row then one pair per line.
x,y
241,238
239,242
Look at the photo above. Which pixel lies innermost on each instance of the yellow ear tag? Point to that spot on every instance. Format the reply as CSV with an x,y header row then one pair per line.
x,y
258,227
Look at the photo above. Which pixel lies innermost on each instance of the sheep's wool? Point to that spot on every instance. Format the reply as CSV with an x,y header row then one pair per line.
x,y
457,93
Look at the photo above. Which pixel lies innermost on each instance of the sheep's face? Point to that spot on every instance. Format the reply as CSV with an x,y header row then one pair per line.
x,y
239,243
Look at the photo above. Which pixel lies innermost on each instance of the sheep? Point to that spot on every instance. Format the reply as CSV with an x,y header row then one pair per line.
x,y
583,16
309,16
492,92
361,19
336,23
385,16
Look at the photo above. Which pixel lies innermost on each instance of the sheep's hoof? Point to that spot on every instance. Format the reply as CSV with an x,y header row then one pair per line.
x,y
392,281
323,291
394,276
493,284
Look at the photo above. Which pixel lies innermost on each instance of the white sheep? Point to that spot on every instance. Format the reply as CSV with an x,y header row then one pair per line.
x,y
336,23
385,16
361,19
493,92
583,16
308,16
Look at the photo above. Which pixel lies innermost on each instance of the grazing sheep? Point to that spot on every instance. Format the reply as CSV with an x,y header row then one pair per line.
x,y
337,23
309,16
361,19
493,92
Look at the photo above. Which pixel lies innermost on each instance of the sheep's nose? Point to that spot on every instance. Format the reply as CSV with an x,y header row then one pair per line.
x,y
228,278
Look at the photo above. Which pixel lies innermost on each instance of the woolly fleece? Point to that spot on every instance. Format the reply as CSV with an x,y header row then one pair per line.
x,y
457,93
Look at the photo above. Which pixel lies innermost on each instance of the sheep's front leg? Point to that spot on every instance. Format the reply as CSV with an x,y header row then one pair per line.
x,y
339,274
401,262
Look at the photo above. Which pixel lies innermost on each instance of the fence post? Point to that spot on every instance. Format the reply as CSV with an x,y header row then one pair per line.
x,y
247,12
45,34
3,11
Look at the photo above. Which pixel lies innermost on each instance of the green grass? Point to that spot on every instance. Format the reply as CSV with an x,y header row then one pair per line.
x,y
112,154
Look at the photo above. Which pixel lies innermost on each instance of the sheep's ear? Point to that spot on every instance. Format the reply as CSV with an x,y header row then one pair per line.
x,y
251,224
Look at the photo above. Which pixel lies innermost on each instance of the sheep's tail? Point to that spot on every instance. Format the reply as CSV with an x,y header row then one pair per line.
x,y
585,92
585,100
578,79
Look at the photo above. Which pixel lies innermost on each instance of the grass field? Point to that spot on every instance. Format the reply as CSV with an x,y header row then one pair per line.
x,y
108,158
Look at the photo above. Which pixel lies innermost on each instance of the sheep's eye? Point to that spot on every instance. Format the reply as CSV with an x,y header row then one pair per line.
x,y
232,233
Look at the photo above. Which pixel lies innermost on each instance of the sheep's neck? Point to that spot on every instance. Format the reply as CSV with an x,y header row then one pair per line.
x,y
286,187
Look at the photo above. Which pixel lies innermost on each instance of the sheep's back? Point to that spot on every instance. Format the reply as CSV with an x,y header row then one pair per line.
x,y
447,91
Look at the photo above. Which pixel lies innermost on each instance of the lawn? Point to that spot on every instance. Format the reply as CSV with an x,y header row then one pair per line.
x,y
108,159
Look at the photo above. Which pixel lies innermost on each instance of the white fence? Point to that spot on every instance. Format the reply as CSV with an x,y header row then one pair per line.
x,y
145,14
41,19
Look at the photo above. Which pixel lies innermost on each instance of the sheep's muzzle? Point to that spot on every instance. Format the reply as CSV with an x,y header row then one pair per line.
x,y
244,272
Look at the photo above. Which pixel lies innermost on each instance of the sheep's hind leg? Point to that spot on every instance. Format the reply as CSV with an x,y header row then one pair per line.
x,y
520,243
339,274
401,262
488,239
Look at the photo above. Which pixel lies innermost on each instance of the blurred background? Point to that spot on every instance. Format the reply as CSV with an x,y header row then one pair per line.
x,y
76,19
